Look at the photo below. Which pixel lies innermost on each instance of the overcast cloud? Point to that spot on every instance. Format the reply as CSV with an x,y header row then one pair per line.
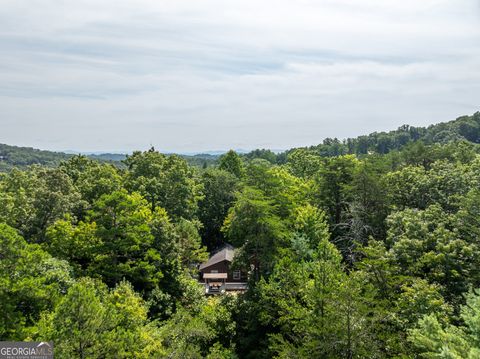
x,y
196,75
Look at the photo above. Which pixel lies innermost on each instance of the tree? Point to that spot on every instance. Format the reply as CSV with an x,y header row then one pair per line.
x,y
31,281
342,308
285,306
126,249
93,322
333,192
316,310
312,223
369,198
122,239
303,163
231,162
433,339
263,154
78,244
91,178
165,181
35,199
253,226
401,300
426,245
189,245
416,188
277,184
206,331
219,195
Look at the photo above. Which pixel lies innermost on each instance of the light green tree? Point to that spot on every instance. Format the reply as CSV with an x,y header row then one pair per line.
x,y
165,181
91,178
432,339
93,322
303,163
31,281
207,330
36,198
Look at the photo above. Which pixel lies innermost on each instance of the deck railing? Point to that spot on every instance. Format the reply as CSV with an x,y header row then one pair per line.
x,y
225,287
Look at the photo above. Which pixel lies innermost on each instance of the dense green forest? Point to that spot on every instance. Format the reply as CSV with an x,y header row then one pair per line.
x,y
465,128
363,248
22,157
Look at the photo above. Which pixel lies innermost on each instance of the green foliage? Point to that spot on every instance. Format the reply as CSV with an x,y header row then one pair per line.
x,y
318,310
333,185
253,225
126,249
417,299
189,244
401,299
310,224
21,157
122,238
91,178
219,194
92,322
206,332
264,154
363,248
425,244
165,181
31,281
231,162
77,244
285,190
442,184
36,198
434,340
369,206
303,163
464,128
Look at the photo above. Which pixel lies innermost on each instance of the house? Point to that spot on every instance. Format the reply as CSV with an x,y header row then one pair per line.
x,y
217,275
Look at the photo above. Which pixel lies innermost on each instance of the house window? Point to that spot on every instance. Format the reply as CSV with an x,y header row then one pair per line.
x,y
236,274
214,271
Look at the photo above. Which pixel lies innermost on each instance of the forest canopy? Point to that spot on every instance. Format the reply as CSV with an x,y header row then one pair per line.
x,y
362,248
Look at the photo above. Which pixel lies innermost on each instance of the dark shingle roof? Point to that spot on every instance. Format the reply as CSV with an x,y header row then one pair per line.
x,y
225,254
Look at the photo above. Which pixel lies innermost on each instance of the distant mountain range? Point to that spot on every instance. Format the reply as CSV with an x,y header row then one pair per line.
x,y
465,128
21,157
125,153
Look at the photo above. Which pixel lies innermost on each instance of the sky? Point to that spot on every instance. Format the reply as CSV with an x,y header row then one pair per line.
x,y
200,75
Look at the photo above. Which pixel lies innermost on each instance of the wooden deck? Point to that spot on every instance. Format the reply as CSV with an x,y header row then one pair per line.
x,y
224,287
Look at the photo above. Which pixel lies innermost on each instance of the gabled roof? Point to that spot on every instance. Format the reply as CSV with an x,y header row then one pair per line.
x,y
225,254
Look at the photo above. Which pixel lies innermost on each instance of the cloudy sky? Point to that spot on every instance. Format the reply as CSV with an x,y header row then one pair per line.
x,y
196,75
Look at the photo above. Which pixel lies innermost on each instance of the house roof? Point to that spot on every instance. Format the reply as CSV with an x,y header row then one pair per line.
x,y
225,254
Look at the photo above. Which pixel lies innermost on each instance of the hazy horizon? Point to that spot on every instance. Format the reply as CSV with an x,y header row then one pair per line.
x,y
192,77
208,151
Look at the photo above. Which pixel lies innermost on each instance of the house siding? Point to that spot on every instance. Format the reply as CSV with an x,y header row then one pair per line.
x,y
224,267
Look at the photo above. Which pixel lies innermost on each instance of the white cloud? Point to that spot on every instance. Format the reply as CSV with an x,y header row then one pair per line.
x,y
198,75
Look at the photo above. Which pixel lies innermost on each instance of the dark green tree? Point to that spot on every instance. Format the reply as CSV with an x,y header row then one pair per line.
x,y
231,162
253,226
219,195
